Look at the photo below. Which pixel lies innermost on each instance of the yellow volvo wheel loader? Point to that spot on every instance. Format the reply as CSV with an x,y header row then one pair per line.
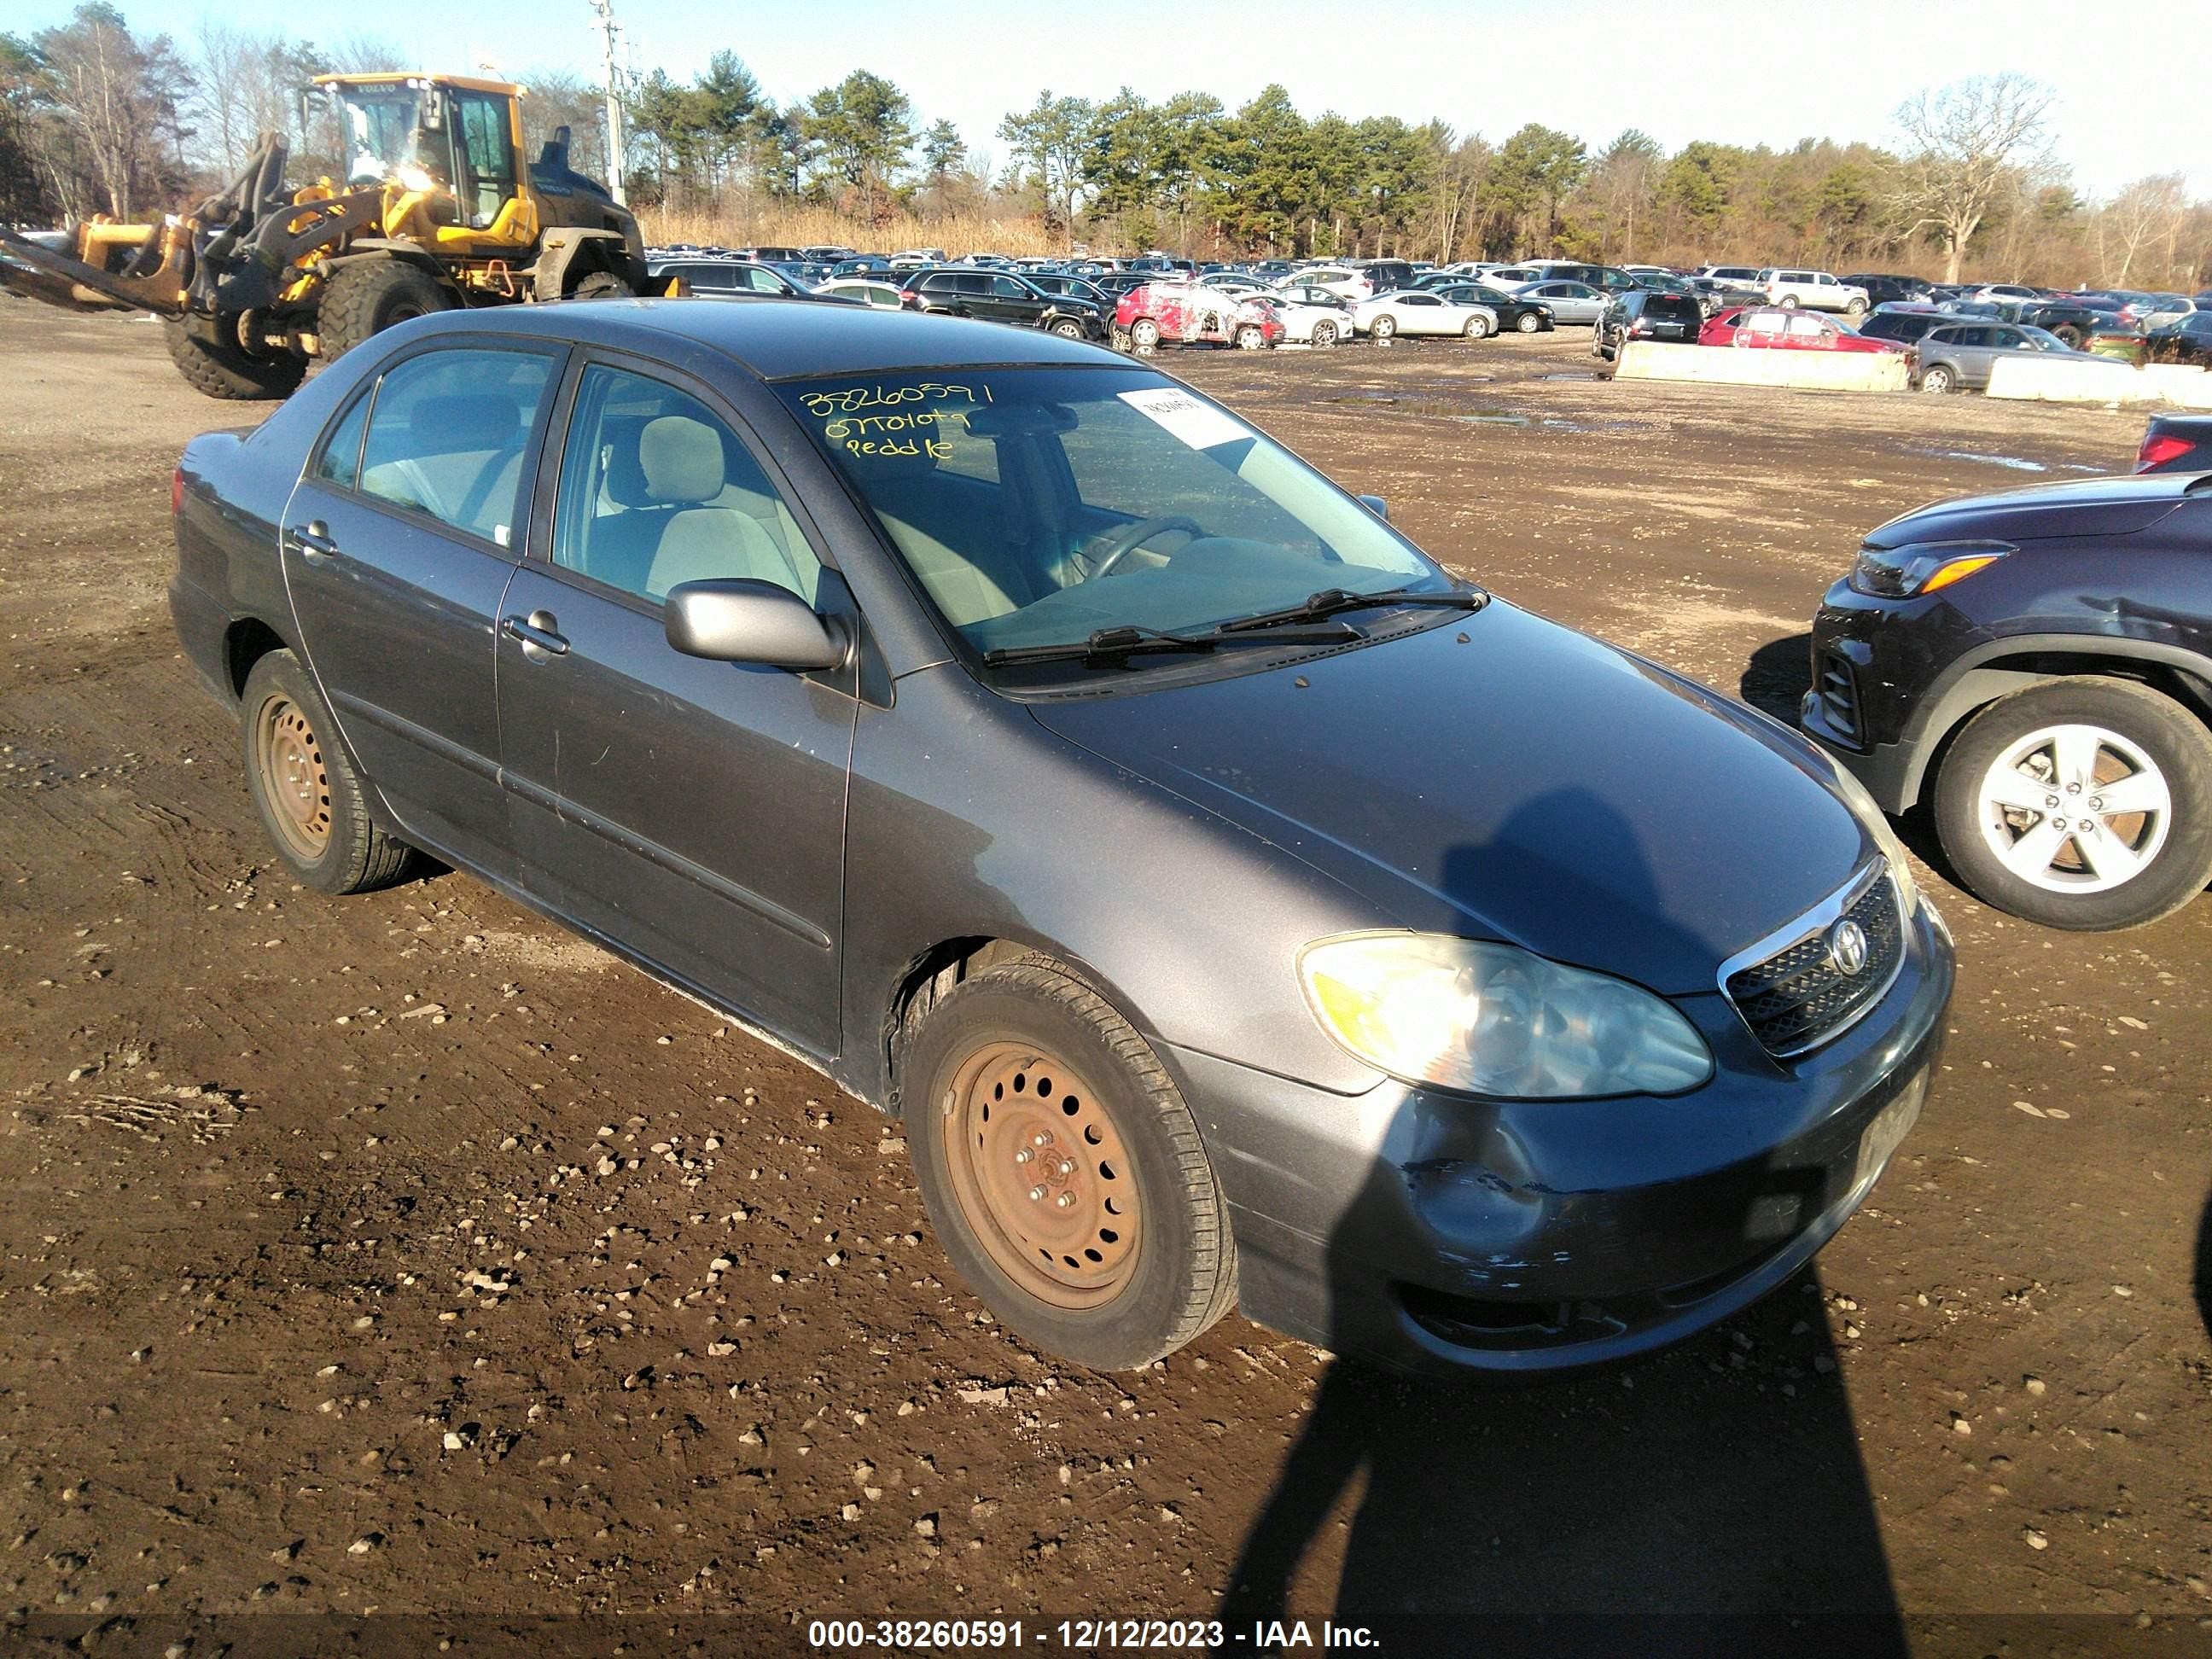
x,y
436,209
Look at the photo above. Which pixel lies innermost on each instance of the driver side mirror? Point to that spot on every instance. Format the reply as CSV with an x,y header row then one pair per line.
x,y
1377,506
737,619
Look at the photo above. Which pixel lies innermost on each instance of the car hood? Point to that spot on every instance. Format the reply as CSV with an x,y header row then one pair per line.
x,y
1531,785
2106,506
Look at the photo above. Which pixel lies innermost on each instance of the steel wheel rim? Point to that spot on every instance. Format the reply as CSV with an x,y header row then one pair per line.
x,y
295,779
2075,809
1041,1176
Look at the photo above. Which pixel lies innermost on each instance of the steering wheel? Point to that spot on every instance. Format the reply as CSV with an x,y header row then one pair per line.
x,y
1133,537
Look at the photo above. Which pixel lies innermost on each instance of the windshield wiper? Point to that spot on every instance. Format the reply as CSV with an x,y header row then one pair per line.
x,y
1115,644
1331,601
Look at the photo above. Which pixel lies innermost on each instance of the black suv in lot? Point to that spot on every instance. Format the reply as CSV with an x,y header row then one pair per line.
x,y
1646,314
2036,664
1884,289
999,296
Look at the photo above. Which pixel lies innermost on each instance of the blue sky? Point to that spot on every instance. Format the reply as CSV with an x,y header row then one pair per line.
x,y
1734,73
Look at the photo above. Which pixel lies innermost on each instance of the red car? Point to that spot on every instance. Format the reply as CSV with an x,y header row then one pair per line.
x,y
1187,314
1792,329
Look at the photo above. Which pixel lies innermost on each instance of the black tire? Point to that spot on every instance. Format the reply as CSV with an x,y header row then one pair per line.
x,y
1529,323
1183,1275
1143,335
2160,729
365,298
352,853
214,369
2070,334
1938,378
601,285
1068,329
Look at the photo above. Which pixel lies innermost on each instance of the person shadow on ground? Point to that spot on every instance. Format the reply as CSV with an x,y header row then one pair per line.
x,y
1708,1498
2201,1281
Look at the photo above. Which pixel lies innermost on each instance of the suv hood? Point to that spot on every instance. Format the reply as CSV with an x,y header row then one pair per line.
x,y
2099,507
1531,785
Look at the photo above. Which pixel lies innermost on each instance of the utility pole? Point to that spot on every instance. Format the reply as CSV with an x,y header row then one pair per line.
x,y
609,28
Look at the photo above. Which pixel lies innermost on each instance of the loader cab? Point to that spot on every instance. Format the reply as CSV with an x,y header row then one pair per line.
x,y
450,142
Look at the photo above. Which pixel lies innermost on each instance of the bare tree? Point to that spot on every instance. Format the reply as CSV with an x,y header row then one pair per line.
x,y
2148,212
1966,144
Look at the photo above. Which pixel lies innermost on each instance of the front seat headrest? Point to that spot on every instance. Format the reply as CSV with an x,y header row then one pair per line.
x,y
681,459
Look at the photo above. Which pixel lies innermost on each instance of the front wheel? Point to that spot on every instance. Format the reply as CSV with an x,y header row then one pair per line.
x,y
1383,328
1062,1171
207,354
1324,334
601,285
1068,329
2082,802
1529,323
1854,307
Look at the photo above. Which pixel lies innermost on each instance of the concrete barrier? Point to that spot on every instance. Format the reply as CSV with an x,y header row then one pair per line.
x,y
1797,371
2182,386
2069,380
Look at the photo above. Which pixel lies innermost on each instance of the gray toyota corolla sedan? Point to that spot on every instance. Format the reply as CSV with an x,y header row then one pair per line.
x,y
1235,907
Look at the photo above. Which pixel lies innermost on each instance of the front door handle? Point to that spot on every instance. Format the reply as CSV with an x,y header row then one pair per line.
x,y
538,634
313,540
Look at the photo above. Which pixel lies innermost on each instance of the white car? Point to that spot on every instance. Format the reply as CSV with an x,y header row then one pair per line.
x,y
2006,294
1337,279
1815,291
882,294
1312,317
1231,283
1419,311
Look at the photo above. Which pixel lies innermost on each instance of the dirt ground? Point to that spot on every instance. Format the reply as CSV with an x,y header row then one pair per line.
x,y
404,1255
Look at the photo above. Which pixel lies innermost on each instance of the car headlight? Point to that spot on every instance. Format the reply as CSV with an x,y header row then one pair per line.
x,y
1917,568
1869,813
1494,1019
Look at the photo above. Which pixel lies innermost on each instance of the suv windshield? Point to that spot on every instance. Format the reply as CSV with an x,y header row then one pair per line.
x,y
1039,505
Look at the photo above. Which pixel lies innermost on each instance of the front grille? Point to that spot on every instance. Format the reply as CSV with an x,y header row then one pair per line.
x,y
1839,695
1798,997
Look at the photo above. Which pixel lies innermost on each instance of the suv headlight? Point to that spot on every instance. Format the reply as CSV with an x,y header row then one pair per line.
x,y
1917,568
1494,1019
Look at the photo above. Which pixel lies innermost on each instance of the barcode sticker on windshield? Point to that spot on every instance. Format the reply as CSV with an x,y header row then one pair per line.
x,y
1199,425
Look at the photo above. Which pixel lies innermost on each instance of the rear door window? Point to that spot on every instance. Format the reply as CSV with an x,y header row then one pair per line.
x,y
447,432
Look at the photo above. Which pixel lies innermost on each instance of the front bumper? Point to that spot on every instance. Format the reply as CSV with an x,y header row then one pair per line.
x,y
1442,1236
1876,664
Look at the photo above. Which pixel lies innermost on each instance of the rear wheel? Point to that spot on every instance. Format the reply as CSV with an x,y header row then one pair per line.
x,y
1249,338
1938,378
1476,329
216,367
1788,302
2082,803
1062,1170
310,800
1144,336
368,297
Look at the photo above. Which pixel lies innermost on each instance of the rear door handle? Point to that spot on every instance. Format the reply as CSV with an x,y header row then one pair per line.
x,y
537,635
313,540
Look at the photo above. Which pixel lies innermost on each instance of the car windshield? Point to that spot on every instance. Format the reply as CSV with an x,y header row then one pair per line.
x,y
1039,505
2042,339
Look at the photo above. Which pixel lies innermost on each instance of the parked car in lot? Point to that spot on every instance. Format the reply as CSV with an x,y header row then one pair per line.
x,y
1568,302
1515,313
2008,294
1000,727
1749,276
1326,322
1341,280
1813,290
2034,664
2071,323
1881,288
885,293
1185,314
2187,341
1646,314
1902,324
1719,294
718,279
1784,328
999,296
1075,288
1415,311
2176,443
1959,356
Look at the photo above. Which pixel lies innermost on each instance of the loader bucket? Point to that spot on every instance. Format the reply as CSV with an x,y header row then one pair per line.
x,y
39,272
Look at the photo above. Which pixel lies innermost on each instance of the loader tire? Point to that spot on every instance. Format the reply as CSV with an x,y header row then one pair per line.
x,y
365,298
216,370
601,285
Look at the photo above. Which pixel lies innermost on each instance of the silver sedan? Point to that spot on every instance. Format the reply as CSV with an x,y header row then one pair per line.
x,y
1570,303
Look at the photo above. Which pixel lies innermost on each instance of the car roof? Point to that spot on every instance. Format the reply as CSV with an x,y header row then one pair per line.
x,y
779,338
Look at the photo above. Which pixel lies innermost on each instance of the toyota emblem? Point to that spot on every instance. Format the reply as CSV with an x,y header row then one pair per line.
x,y
1847,947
